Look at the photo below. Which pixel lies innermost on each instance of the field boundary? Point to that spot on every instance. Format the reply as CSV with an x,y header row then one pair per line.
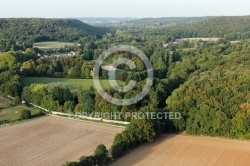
x,y
81,118
88,121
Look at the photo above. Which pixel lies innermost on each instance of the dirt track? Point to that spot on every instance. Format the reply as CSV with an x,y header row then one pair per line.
x,y
51,141
180,150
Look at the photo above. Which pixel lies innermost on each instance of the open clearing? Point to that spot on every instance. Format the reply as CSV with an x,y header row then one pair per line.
x,y
52,141
193,39
51,45
70,83
10,113
178,150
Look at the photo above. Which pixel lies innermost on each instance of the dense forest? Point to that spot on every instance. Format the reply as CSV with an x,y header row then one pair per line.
x,y
229,27
32,30
214,99
158,22
232,28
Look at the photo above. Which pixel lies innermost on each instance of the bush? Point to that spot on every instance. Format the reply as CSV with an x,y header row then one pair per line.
x,y
87,161
122,77
101,154
26,114
117,150
137,132
71,164
17,100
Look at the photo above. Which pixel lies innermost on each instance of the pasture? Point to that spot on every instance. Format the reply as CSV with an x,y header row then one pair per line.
x,y
52,141
70,83
178,150
51,45
10,113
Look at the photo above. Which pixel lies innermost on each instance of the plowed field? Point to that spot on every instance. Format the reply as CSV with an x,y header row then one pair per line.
x,y
51,141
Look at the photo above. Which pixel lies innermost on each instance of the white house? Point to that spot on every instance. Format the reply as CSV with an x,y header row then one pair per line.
x,y
71,53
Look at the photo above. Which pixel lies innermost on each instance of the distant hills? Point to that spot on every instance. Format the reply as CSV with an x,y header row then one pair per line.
x,y
39,29
141,23
228,27
21,33
162,22
232,28
100,20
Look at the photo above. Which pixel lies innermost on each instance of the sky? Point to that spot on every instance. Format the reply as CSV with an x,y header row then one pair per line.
x,y
122,8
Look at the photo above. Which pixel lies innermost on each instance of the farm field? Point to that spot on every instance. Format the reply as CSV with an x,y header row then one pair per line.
x,y
177,150
52,141
51,45
70,83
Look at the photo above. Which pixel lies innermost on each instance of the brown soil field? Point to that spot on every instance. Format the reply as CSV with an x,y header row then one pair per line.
x,y
179,150
51,141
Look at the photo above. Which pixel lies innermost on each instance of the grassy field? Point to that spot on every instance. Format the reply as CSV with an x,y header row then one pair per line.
x,y
196,39
52,141
51,45
70,83
9,112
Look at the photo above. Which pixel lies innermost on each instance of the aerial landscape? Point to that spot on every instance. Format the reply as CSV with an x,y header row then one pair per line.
x,y
128,83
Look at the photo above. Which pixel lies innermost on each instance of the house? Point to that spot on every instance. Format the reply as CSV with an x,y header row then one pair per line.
x,y
71,53
109,68
21,51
